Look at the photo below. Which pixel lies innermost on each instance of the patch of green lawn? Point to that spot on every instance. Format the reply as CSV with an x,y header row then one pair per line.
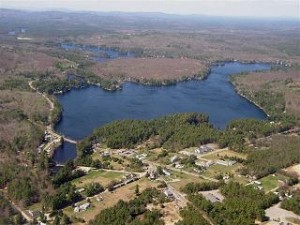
x,y
271,182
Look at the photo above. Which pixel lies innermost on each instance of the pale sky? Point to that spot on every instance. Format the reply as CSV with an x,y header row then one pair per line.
x,y
246,8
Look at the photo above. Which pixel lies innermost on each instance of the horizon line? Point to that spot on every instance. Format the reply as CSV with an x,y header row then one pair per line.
x,y
151,12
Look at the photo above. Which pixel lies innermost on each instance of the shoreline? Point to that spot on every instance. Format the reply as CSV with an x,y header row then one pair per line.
x,y
251,101
57,139
239,92
203,76
166,82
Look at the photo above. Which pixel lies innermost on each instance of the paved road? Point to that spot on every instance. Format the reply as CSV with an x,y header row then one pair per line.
x,y
180,170
50,128
182,199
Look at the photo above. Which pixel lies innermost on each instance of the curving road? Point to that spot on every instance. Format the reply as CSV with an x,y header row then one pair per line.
x,y
50,128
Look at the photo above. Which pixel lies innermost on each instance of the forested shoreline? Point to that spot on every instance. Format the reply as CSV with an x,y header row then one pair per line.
x,y
178,131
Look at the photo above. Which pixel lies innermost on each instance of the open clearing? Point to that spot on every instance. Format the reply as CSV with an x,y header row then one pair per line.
x,y
124,193
272,181
181,179
218,154
275,213
294,169
170,212
97,176
216,170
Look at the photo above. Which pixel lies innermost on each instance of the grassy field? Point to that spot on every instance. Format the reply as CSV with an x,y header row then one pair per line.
x,y
110,199
216,170
225,153
182,179
272,181
99,176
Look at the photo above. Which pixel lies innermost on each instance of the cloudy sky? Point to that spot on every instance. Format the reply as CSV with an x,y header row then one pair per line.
x,y
248,8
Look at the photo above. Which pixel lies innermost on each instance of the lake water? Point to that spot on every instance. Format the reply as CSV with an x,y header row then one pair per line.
x,y
99,54
88,108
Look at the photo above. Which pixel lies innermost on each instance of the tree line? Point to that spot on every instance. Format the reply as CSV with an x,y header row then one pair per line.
x,y
242,205
282,152
177,131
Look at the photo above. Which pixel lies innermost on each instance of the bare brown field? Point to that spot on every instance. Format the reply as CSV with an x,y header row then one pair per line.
x,y
170,212
208,44
151,68
125,193
30,102
295,169
255,81
15,60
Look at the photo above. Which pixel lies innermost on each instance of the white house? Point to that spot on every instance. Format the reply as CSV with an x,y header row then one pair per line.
x,y
174,158
203,149
82,207
168,193
226,163
167,173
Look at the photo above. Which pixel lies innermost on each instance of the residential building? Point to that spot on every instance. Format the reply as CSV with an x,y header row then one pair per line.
x,y
226,162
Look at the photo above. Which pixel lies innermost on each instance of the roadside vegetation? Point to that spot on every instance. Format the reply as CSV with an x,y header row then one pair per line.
x,y
8,215
292,204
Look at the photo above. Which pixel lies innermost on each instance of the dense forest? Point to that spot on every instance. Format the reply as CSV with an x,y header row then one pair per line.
x,y
240,130
191,216
194,187
282,152
54,85
177,131
242,205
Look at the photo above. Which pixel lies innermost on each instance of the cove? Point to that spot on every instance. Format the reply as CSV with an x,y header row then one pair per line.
x,y
88,108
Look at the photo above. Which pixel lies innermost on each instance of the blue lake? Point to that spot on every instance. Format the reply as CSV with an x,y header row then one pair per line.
x,y
99,54
88,108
